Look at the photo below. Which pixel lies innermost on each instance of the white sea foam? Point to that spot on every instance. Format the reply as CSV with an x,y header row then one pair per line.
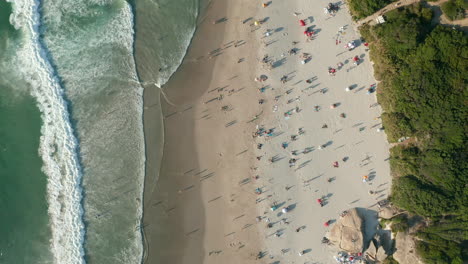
x,y
58,145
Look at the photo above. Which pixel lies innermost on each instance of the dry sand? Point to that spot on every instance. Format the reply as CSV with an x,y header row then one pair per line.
x,y
203,208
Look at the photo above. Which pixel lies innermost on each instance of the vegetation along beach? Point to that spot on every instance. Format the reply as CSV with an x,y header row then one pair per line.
x,y
233,131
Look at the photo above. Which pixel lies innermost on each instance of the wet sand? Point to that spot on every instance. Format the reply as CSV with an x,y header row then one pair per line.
x,y
197,207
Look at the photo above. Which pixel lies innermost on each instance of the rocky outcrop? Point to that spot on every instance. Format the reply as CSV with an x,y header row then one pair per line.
x,y
387,212
405,252
347,233
383,240
380,247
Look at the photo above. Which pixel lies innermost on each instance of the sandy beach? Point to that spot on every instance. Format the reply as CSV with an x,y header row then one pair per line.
x,y
217,179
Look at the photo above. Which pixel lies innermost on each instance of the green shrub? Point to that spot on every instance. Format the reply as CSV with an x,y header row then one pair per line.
x,y
413,195
440,251
399,126
423,73
454,9
390,260
399,223
363,8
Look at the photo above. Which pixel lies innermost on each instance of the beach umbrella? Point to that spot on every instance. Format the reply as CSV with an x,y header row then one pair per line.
x,y
256,23
302,22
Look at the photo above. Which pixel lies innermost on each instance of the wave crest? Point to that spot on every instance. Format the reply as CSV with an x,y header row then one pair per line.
x,y
58,144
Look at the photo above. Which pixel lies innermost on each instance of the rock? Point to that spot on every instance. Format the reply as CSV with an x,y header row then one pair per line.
x,y
372,250
387,212
405,252
381,255
383,239
347,233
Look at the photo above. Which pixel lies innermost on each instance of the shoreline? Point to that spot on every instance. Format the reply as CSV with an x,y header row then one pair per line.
x,y
192,56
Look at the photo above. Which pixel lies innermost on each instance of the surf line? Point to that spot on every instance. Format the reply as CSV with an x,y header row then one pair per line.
x,y
58,144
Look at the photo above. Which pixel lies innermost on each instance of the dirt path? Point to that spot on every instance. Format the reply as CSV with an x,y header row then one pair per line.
x,y
371,18
439,17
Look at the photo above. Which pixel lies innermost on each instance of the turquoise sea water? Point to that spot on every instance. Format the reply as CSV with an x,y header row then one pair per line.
x,y
71,136
24,220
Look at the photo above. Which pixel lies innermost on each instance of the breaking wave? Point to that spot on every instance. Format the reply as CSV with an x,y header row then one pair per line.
x,y
58,144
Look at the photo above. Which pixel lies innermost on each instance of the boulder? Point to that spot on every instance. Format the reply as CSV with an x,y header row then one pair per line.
x,y
387,212
381,255
405,252
372,250
383,239
375,253
347,233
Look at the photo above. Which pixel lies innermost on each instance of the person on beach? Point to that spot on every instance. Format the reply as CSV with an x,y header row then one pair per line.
x,y
320,201
356,60
365,178
284,79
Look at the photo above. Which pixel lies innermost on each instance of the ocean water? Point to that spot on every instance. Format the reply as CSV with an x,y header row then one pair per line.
x,y
24,232
72,74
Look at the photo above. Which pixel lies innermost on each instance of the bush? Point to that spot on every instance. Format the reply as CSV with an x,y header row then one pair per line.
x,y
454,9
363,8
440,251
399,224
390,260
413,195
399,126
423,73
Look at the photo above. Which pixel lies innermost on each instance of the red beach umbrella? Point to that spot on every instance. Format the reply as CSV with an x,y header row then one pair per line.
x,y
302,22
